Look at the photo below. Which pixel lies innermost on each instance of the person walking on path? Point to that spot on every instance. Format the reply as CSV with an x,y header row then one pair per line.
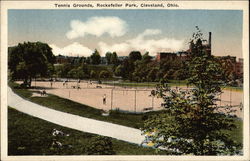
x,y
104,99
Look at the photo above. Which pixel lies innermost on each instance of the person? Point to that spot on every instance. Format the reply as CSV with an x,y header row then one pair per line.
x,y
43,92
104,99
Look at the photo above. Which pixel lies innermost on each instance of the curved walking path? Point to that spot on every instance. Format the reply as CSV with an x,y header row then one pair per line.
x,y
119,132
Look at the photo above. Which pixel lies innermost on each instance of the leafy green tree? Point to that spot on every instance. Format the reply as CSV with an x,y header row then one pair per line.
x,y
72,73
108,57
127,68
114,58
100,146
104,74
88,60
85,70
65,69
152,74
135,55
29,60
92,74
191,123
95,58
146,58
118,70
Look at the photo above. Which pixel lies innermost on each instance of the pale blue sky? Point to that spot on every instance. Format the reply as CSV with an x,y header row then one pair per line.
x,y
51,26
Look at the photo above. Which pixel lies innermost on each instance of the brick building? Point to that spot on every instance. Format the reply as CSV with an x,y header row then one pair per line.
x,y
183,55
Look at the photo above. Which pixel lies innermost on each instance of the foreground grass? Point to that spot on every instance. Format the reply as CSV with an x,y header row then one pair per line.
x,y
131,120
237,133
28,135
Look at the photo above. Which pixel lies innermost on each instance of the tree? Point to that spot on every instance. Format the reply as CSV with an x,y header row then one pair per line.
x,y
95,58
92,74
114,58
29,60
152,74
135,55
88,60
104,74
63,70
108,57
146,58
191,123
100,146
126,68
118,70
85,70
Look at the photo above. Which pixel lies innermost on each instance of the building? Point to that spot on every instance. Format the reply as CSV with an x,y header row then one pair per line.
x,y
60,59
165,55
184,55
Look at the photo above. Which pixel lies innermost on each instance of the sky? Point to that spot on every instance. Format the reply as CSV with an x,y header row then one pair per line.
x,y
80,32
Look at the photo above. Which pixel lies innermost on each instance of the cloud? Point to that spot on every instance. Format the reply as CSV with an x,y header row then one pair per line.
x,y
149,32
143,43
97,26
119,48
75,49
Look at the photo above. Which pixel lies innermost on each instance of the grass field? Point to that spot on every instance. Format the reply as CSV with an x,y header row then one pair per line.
x,y
145,84
28,135
131,120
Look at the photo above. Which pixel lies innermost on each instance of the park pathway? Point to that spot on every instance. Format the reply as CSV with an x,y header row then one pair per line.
x,y
119,132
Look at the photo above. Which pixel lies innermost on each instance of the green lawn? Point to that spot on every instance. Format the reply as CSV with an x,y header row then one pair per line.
x,y
172,83
146,84
28,135
236,134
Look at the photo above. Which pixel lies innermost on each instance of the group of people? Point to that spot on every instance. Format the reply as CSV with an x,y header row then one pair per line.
x,y
43,92
65,83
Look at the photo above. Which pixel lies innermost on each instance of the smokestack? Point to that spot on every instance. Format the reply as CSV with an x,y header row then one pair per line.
x,y
209,40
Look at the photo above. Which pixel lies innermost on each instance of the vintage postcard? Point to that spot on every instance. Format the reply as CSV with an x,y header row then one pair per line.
x,y
124,80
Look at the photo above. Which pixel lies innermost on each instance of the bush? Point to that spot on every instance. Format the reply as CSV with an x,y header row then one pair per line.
x,y
100,146
104,74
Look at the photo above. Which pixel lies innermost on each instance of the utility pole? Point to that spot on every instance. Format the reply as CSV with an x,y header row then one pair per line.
x,y
135,100
152,101
111,104
230,96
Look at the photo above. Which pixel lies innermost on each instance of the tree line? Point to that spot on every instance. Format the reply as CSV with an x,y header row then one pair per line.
x,y
35,60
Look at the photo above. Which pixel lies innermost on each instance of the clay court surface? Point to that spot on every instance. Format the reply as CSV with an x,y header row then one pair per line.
x,y
126,99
